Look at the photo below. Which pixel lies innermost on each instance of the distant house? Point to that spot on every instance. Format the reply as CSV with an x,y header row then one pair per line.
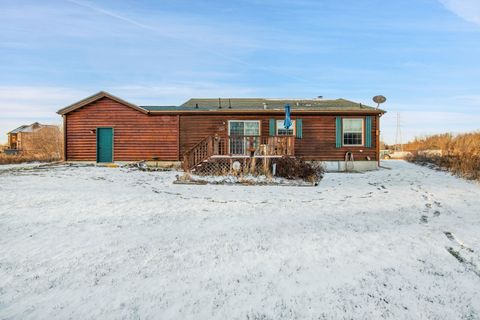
x,y
105,128
27,138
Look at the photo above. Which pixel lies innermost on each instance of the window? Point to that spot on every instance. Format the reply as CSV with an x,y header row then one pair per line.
x,y
243,135
352,132
282,131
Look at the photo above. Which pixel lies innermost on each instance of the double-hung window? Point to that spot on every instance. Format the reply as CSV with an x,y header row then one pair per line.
x,y
282,131
352,132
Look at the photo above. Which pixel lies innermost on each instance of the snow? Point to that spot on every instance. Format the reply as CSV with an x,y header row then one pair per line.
x,y
248,180
117,243
25,165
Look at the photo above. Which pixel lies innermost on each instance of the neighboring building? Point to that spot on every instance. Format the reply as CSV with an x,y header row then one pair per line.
x,y
27,138
105,128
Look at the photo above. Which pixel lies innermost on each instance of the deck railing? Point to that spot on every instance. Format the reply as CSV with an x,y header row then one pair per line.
x,y
236,146
261,146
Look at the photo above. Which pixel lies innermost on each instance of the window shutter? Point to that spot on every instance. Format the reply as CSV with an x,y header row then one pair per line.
x,y
338,131
299,128
271,128
368,132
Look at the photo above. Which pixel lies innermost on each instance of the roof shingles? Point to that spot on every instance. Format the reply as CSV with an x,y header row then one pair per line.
x,y
258,104
241,105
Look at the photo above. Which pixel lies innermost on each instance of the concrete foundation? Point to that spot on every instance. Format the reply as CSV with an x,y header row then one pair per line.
x,y
354,166
160,164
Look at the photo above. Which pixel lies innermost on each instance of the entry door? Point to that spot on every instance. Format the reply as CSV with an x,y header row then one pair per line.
x,y
240,133
105,145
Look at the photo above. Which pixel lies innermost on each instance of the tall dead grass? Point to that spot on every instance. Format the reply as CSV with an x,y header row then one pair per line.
x,y
459,154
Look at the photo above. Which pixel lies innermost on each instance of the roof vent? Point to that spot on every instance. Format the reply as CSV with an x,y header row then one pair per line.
x,y
264,106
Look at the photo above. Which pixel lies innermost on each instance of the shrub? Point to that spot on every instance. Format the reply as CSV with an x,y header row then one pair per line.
x,y
296,168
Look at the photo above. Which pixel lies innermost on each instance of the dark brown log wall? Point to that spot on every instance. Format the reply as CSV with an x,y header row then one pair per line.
x,y
137,136
318,142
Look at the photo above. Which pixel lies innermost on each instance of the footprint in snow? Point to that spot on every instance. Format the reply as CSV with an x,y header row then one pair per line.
x,y
424,219
449,235
452,237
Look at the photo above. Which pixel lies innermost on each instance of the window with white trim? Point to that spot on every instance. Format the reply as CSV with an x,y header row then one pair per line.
x,y
282,131
352,132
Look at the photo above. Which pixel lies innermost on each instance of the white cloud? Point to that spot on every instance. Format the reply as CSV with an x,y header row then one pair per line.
x,y
26,104
468,10
23,105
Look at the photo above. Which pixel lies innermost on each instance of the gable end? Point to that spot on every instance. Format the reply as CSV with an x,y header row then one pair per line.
x,y
96,97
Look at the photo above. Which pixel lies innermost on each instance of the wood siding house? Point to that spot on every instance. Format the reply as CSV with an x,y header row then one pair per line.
x,y
26,138
105,128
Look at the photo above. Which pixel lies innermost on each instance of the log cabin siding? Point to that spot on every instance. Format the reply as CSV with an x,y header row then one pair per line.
x,y
318,142
137,136
194,128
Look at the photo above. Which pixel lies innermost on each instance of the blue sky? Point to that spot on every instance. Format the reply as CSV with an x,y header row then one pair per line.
x,y
423,55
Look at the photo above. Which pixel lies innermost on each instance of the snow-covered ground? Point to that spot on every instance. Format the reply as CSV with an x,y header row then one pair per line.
x,y
106,243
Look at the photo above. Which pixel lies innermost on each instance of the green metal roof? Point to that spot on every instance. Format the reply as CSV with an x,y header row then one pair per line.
x,y
276,104
171,108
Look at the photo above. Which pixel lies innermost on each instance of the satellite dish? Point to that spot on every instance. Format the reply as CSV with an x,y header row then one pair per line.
x,y
379,100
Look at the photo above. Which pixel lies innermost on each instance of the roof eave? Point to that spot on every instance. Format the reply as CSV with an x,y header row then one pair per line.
x,y
271,111
95,97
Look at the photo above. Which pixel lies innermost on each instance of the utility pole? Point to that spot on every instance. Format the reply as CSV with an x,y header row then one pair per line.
x,y
398,138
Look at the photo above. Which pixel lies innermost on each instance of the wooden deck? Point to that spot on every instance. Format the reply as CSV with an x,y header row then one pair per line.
x,y
239,147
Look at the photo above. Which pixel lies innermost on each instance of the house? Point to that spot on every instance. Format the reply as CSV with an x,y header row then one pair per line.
x,y
27,138
105,128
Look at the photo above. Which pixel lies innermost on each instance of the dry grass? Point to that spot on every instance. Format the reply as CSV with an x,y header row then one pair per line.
x,y
460,154
12,159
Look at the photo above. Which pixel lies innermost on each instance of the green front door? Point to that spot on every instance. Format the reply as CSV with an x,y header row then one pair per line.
x,y
105,145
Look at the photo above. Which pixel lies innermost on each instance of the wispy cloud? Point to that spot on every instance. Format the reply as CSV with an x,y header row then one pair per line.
x,y
468,10
176,92
22,105
189,44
